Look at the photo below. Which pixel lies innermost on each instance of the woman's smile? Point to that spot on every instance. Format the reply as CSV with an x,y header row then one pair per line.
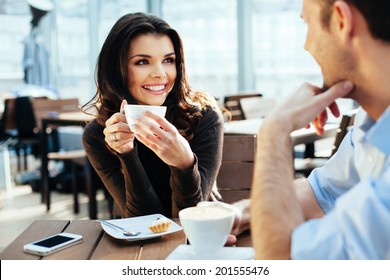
x,y
155,89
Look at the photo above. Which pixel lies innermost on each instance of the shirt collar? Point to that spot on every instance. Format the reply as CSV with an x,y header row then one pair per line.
x,y
377,132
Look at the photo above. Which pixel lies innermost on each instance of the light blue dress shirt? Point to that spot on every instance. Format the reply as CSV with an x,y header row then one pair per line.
x,y
353,189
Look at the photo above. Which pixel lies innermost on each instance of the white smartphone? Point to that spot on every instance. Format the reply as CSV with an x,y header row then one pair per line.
x,y
51,244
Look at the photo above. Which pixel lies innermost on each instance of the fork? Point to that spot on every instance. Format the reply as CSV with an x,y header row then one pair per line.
x,y
124,231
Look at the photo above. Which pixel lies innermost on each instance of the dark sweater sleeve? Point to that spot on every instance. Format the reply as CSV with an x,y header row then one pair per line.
x,y
195,184
132,192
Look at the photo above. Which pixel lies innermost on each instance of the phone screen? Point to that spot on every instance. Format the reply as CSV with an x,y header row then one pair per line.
x,y
53,241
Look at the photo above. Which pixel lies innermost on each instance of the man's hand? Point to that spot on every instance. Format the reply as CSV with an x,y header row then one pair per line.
x,y
308,104
275,208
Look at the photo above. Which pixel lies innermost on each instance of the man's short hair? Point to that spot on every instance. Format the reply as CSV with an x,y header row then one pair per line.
x,y
376,13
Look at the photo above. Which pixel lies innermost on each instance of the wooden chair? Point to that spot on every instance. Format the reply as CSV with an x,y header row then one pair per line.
x,y
232,104
235,175
76,157
8,129
257,107
53,107
8,123
20,124
7,141
306,165
346,122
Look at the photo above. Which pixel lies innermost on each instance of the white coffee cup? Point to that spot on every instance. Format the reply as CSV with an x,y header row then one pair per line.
x,y
207,228
133,112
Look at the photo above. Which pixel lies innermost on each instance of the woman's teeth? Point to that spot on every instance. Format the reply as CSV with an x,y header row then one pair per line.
x,y
155,88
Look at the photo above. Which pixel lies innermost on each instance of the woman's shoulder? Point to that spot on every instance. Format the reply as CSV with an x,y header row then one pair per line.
x,y
211,119
211,114
92,127
92,131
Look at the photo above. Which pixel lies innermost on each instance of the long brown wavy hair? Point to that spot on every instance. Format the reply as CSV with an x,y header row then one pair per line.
x,y
184,105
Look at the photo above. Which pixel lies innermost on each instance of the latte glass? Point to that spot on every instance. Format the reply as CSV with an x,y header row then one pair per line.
x,y
207,228
133,112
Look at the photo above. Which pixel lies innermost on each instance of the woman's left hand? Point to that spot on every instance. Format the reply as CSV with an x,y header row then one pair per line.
x,y
163,138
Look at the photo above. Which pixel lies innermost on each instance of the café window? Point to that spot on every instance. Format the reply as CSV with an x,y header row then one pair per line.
x,y
209,33
280,61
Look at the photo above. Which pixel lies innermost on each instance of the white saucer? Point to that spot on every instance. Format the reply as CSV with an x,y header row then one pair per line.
x,y
140,224
187,252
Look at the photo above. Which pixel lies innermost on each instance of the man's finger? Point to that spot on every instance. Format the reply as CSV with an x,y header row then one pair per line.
x,y
336,91
334,108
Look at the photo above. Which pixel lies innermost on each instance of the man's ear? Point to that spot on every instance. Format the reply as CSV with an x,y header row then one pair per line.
x,y
342,20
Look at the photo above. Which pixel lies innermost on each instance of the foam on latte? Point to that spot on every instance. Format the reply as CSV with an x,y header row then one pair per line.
x,y
206,213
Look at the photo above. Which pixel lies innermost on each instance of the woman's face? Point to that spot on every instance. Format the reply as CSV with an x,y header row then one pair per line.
x,y
152,68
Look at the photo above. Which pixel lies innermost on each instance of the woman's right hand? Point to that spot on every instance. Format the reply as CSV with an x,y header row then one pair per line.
x,y
118,134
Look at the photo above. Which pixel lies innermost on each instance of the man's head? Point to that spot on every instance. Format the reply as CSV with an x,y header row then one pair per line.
x,y
375,12
341,32
350,40
323,39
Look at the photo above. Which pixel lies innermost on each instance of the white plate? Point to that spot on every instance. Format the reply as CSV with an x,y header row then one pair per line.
x,y
187,252
138,224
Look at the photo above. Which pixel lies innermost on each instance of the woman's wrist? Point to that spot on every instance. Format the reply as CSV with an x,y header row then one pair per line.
x,y
188,164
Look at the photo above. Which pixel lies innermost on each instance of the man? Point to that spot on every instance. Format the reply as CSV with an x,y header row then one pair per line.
x,y
351,42
342,211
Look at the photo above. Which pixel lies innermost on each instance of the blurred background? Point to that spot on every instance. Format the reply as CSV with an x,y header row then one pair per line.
x,y
48,48
230,45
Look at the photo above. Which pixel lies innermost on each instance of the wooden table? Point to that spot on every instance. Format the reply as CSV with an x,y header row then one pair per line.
x,y
300,136
305,136
65,119
97,245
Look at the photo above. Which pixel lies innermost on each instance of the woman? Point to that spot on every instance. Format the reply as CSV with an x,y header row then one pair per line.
x,y
162,165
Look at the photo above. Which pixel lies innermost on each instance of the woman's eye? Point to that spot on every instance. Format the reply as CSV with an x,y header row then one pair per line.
x,y
169,60
141,62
